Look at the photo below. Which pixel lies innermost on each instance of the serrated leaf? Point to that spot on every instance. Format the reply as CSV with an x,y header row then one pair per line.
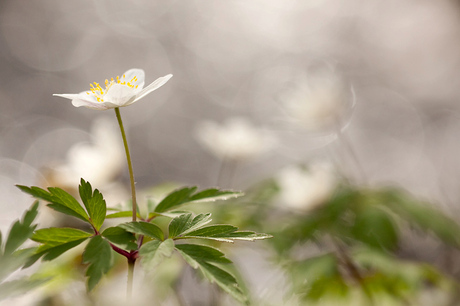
x,y
184,223
154,252
99,255
193,253
175,198
121,237
52,252
186,195
214,194
31,214
179,224
55,241
94,203
216,230
212,232
65,199
37,192
224,280
200,220
247,236
202,257
21,231
60,201
144,228
55,236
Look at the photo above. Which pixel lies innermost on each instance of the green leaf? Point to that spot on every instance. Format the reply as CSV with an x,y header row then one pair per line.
x,y
30,215
98,254
52,252
317,277
200,220
214,194
424,216
184,223
179,224
193,253
224,280
144,228
94,203
122,214
154,252
56,236
37,192
20,286
247,236
21,231
374,227
213,232
11,262
202,257
186,195
230,236
175,199
186,227
55,241
60,201
169,214
120,237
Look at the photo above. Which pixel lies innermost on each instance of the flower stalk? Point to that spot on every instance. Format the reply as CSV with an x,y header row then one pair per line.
x,y
130,165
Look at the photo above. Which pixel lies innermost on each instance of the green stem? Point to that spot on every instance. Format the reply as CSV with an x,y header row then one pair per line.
x,y
129,290
130,165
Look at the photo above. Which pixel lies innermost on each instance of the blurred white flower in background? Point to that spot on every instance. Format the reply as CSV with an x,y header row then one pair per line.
x,y
120,92
237,139
317,101
304,189
99,162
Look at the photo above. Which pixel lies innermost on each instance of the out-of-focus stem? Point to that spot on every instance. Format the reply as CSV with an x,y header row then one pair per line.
x,y
346,143
129,289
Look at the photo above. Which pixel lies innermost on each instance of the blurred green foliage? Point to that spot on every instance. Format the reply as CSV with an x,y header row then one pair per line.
x,y
356,236
12,257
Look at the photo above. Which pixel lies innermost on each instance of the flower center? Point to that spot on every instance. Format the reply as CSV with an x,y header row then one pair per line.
x,y
99,93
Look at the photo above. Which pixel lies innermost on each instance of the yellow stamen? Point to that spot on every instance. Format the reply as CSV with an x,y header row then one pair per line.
x,y
98,92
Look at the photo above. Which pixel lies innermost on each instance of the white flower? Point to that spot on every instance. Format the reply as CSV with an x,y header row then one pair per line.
x,y
237,139
317,101
120,92
303,189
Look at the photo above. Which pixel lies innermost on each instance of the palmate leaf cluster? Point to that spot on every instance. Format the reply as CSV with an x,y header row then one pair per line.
x,y
12,257
141,239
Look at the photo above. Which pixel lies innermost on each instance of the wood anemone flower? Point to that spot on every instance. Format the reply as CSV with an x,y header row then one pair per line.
x,y
119,92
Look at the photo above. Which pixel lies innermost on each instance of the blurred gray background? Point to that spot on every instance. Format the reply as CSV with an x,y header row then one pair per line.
x,y
233,58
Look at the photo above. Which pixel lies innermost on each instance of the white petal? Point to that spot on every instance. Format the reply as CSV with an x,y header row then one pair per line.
x,y
109,104
89,104
83,99
120,95
140,76
155,85
67,96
